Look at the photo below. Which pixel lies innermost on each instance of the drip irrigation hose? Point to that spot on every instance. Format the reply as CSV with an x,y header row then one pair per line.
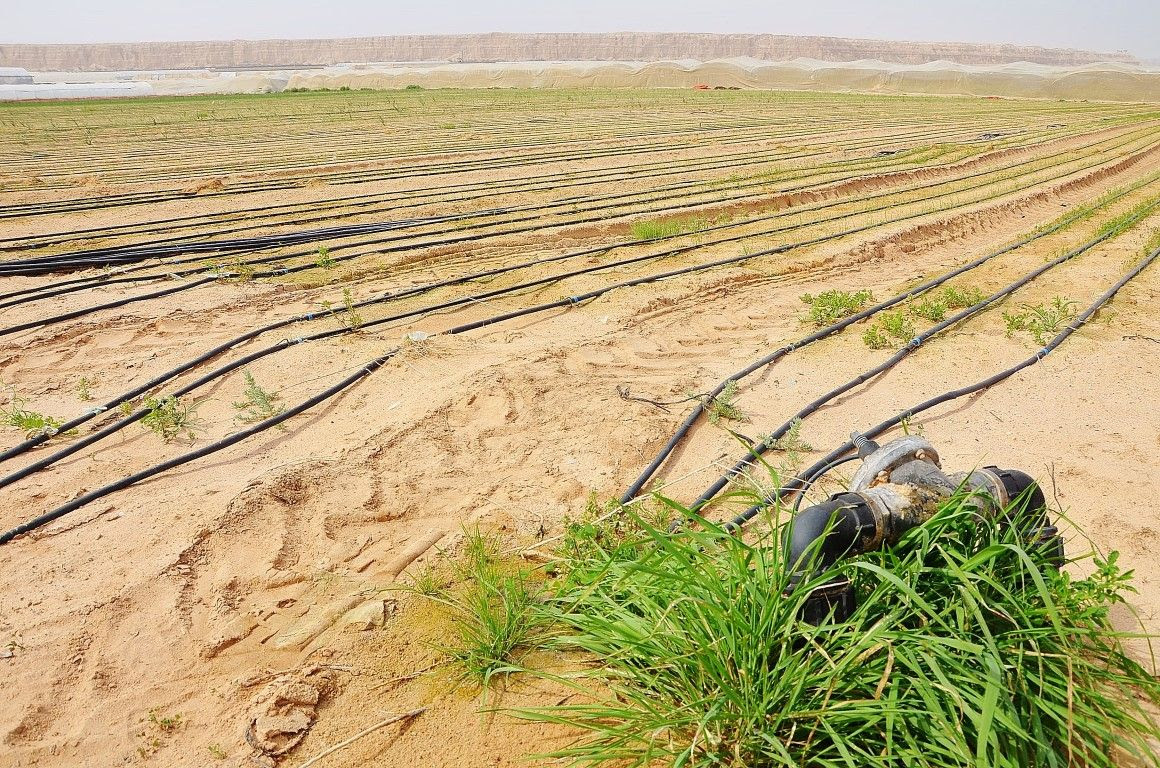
x,y
99,258
465,192
81,443
284,271
805,482
343,178
205,450
762,447
690,420
954,394
102,280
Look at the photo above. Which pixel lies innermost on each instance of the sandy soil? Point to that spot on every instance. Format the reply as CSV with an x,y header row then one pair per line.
x,y
253,589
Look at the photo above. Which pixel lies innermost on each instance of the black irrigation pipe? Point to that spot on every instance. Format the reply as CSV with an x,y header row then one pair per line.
x,y
527,183
880,429
105,257
77,284
75,446
343,178
763,446
373,365
473,237
206,450
690,420
26,295
171,246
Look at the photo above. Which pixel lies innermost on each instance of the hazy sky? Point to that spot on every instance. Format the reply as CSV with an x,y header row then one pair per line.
x,y
1105,25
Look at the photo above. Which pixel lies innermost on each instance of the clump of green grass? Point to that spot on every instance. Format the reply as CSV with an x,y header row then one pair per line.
x,y
257,404
1041,319
494,612
723,406
967,648
655,229
169,417
890,327
828,307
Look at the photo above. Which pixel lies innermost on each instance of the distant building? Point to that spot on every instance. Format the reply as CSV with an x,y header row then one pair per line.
x,y
14,76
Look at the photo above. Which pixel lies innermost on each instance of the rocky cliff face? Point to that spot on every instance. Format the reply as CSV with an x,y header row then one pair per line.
x,y
247,54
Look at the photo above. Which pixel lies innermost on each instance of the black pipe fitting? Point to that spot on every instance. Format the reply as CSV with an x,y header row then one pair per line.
x,y
820,536
1028,512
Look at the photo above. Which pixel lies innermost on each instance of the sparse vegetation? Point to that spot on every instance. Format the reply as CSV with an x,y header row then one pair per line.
x,y
929,309
257,404
1041,319
171,416
352,319
934,306
165,723
83,388
828,307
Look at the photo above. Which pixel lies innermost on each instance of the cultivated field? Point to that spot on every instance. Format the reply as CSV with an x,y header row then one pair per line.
x,y
496,307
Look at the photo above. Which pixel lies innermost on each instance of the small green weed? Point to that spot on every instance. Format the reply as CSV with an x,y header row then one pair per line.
x,y
217,752
257,404
170,416
828,307
961,297
32,423
164,723
929,309
325,260
1041,319
83,386
889,327
352,319
723,406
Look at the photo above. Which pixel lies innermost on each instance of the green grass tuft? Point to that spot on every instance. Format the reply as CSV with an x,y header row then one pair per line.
x,y
967,648
493,609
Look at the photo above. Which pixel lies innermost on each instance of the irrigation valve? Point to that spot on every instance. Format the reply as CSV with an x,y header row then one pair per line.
x,y
899,486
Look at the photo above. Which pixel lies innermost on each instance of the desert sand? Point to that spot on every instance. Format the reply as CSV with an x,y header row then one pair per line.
x,y
254,588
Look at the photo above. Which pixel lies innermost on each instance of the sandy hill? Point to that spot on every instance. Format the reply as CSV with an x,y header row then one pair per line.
x,y
624,46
